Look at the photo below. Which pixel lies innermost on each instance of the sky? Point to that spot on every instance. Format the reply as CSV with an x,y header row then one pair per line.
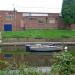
x,y
51,6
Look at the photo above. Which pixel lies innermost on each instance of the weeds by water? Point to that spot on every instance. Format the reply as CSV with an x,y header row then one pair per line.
x,y
22,70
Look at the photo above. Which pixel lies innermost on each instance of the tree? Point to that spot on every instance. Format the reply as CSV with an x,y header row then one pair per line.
x,y
63,64
68,11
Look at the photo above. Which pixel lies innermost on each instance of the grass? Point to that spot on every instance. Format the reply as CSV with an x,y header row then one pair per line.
x,y
40,33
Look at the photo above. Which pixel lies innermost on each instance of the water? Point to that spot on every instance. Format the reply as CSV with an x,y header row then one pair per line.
x,y
19,55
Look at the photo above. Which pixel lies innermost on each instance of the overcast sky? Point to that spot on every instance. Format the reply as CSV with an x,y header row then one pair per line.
x,y
52,6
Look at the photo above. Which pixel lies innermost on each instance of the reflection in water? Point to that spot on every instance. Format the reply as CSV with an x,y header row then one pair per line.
x,y
13,47
22,47
33,58
7,55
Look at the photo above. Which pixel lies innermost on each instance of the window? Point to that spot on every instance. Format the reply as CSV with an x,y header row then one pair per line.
x,y
52,20
35,14
26,14
9,17
41,20
32,18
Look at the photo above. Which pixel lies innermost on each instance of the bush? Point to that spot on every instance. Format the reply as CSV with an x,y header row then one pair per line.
x,y
63,64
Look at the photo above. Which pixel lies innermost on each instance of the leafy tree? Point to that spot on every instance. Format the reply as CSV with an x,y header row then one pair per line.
x,y
63,65
68,11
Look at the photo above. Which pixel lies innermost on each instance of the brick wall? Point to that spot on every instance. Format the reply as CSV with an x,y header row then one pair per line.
x,y
20,22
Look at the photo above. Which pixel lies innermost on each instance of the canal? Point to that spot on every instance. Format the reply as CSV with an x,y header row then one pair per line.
x,y
18,54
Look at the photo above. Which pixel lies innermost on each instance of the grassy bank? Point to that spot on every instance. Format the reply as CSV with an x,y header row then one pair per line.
x,y
39,33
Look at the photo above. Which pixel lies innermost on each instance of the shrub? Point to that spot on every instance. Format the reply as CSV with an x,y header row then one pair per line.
x,y
63,64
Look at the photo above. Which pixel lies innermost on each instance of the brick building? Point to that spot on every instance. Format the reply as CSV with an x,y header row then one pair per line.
x,y
14,20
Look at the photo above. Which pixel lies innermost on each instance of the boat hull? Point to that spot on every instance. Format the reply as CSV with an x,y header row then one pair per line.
x,y
50,49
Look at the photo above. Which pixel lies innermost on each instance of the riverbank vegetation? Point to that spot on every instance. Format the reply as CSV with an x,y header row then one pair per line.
x,y
63,65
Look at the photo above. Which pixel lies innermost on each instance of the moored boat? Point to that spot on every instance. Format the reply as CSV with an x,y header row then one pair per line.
x,y
43,48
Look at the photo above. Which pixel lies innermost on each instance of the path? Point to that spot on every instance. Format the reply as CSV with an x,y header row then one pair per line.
x,y
25,43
